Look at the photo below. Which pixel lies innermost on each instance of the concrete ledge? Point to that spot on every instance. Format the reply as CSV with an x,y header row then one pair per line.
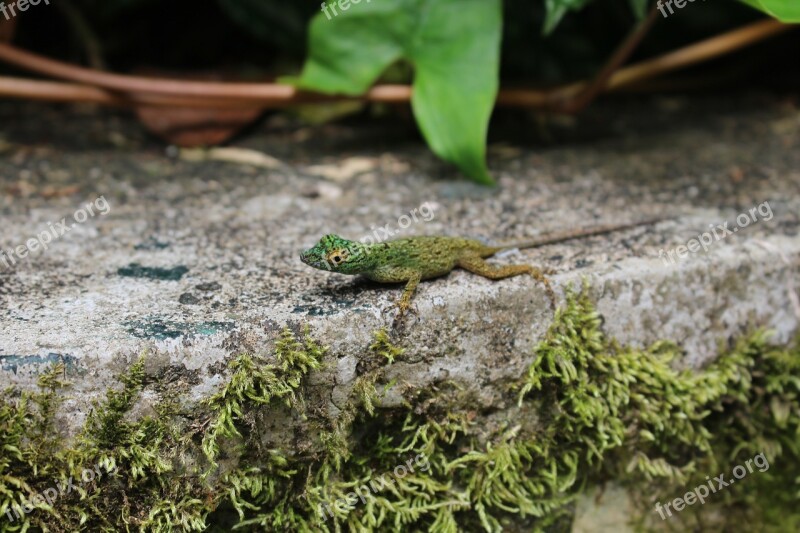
x,y
226,240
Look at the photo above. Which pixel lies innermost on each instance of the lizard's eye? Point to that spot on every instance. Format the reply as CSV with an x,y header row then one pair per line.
x,y
337,257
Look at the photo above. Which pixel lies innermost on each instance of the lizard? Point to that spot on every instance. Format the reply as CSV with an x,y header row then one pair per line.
x,y
414,259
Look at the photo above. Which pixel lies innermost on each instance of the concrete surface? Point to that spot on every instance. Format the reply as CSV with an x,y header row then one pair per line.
x,y
195,262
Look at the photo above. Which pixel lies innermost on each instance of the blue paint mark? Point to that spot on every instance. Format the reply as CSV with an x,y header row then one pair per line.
x,y
151,244
160,329
313,310
135,270
11,363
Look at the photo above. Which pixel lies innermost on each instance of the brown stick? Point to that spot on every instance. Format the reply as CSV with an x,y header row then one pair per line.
x,y
648,69
699,52
53,91
579,102
124,90
56,91
260,93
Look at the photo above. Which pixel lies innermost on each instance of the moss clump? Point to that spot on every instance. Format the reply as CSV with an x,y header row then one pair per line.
x,y
588,411
364,398
612,412
256,382
23,418
150,474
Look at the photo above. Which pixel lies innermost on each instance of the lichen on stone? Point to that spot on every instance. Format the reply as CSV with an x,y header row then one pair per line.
x,y
588,411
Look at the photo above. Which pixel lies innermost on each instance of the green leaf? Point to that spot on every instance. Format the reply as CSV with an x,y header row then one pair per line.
x,y
453,46
556,9
783,10
639,7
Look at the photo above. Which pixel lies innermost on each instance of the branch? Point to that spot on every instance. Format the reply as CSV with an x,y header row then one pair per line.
x,y
130,91
579,102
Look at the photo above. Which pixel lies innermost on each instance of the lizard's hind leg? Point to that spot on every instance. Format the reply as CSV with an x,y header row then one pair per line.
x,y
477,265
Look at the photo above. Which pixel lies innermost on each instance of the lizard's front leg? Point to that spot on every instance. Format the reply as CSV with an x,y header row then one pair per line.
x,y
477,265
405,300
410,276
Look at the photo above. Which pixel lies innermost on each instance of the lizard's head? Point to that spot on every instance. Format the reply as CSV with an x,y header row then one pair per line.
x,y
336,254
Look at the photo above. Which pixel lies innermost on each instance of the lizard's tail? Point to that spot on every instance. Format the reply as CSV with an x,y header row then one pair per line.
x,y
573,234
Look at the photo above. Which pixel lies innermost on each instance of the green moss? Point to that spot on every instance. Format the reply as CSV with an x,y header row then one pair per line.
x,y
256,382
383,347
363,399
589,411
615,413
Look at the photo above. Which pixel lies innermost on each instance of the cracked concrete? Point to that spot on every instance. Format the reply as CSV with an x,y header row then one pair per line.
x,y
196,262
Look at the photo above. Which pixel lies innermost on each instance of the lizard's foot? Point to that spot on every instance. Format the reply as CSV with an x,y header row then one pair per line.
x,y
403,310
539,275
403,307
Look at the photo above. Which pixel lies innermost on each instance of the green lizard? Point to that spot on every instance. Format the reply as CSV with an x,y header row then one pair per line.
x,y
414,259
